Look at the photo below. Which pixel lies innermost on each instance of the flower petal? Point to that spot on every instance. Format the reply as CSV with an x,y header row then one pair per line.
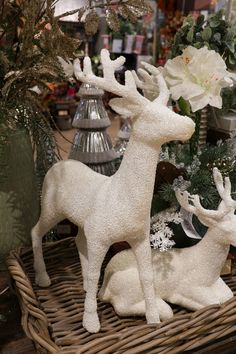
x,y
198,75
199,102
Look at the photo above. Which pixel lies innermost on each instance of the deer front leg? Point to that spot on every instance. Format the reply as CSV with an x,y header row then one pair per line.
x,y
96,254
142,253
81,244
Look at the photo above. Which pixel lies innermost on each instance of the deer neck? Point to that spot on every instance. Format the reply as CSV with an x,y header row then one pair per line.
x,y
210,250
138,168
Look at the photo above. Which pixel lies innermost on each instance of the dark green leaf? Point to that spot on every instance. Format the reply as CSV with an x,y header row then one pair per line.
x,y
206,44
184,106
198,45
230,35
206,33
200,20
214,22
219,14
232,59
231,46
190,35
189,20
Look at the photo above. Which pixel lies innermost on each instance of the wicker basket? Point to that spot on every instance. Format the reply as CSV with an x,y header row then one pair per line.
x,y
52,317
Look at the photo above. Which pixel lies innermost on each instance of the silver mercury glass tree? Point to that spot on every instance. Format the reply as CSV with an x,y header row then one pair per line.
x,y
92,145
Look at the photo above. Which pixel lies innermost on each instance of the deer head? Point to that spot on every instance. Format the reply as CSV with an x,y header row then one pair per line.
x,y
223,218
154,122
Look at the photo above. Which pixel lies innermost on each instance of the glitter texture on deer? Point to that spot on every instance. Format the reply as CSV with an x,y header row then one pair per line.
x,y
190,276
116,208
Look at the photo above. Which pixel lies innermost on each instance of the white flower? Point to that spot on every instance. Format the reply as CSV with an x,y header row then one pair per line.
x,y
198,75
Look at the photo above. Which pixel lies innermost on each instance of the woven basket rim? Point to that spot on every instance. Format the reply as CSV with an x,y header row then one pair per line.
x,y
185,331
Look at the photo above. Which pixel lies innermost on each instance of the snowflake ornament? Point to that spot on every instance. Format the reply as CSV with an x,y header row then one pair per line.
x,y
161,233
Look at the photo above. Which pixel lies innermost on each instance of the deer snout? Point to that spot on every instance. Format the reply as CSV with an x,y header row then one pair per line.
x,y
189,127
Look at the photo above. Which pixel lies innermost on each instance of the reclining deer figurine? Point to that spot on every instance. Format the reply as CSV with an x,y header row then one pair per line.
x,y
116,208
190,276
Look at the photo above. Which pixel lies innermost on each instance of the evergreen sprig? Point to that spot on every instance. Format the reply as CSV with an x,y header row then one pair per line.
x,y
201,180
30,41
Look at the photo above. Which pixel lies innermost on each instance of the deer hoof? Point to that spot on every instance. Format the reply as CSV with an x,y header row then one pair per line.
x,y
152,317
164,310
42,280
91,322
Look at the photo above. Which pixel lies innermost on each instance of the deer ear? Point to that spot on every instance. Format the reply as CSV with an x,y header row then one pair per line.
x,y
124,107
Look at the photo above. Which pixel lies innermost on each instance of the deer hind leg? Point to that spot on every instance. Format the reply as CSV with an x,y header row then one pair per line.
x,y
222,291
187,302
81,244
48,218
142,253
138,309
217,293
198,297
96,254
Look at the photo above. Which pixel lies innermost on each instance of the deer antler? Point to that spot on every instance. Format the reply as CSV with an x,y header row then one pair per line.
x,y
109,82
207,217
227,204
148,84
153,83
224,188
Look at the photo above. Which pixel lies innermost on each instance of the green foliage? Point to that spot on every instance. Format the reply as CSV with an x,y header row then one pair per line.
x,y
200,178
216,33
30,41
167,193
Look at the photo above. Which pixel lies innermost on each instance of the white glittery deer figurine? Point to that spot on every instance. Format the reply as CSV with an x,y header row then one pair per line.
x,y
190,276
116,208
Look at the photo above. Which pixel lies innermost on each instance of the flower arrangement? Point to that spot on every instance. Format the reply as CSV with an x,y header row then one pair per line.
x,y
198,71
198,75
215,33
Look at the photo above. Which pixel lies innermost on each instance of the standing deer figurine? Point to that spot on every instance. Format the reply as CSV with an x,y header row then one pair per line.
x,y
116,208
190,276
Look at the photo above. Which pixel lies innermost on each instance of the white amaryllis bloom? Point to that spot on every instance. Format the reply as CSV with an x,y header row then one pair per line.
x,y
198,75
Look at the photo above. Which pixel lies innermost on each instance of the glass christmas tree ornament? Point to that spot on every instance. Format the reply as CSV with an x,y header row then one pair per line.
x,y
92,145
123,138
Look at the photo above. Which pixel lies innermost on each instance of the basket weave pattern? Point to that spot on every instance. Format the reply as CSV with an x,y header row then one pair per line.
x,y
52,317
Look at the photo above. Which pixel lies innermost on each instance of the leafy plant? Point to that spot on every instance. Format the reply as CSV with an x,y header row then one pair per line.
x,y
30,42
215,33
